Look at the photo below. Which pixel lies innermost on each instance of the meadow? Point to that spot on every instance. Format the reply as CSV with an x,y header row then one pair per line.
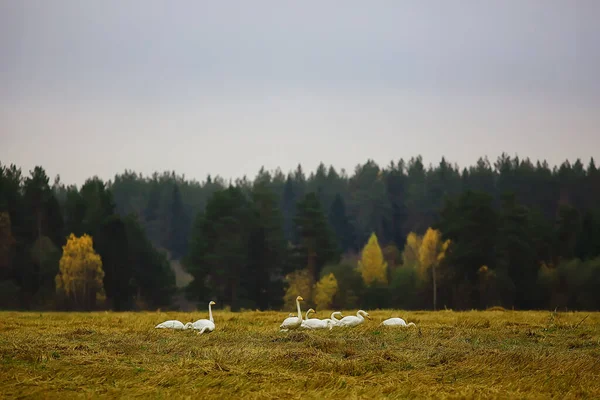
x,y
474,354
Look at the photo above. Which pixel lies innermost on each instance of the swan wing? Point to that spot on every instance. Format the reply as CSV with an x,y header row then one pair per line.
x,y
202,323
394,322
291,323
170,324
313,323
350,320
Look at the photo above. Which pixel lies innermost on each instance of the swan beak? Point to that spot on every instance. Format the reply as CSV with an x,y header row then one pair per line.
x,y
368,316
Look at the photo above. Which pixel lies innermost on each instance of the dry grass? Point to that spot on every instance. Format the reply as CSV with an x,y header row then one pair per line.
x,y
491,354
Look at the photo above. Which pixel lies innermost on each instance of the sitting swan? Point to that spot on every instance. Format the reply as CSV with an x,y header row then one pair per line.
x,y
203,325
397,322
315,323
352,320
293,322
172,324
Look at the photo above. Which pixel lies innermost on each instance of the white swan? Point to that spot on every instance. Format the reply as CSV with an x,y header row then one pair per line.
x,y
334,320
172,324
352,320
316,323
293,322
204,325
397,322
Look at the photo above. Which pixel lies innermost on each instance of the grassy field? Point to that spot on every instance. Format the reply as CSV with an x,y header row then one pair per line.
x,y
491,354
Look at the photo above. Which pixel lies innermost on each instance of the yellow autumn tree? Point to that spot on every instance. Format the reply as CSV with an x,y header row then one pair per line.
x,y
300,283
431,252
372,265
80,273
325,290
410,255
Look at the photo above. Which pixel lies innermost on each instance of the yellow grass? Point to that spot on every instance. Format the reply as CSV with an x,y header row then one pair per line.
x,y
491,354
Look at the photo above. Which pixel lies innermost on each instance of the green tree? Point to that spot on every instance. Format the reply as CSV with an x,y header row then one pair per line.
x,y
316,242
177,226
470,222
396,183
222,257
288,206
267,247
369,200
343,229
515,251
7,241
152,275
112,245
350,286
98,204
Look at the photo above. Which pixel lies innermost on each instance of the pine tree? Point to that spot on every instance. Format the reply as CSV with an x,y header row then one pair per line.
x,y
316,242
178,226
338,218
267,247
7,241
288,207
111,243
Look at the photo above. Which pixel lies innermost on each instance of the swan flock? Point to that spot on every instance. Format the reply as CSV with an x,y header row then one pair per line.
x,y
292,322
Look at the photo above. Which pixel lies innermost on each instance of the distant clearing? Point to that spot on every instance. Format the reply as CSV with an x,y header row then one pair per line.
x,y
496,354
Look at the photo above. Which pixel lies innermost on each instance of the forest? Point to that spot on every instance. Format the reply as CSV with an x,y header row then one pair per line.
x,y
512,233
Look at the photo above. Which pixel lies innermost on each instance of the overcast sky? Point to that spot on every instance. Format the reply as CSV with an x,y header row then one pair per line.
x,y
92,88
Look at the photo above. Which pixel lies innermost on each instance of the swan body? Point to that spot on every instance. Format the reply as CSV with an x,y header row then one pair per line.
x,y
354,320
293,322
397,322
316,323
204,325
172,324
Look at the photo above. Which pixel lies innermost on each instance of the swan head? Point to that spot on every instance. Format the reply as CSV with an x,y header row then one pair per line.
x,y
299,298
364,314
310,310
212,303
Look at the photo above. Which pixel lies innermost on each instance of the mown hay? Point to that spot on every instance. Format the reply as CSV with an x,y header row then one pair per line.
x,y
510,354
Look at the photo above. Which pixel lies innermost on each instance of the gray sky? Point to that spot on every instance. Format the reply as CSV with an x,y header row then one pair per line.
x,y
91,88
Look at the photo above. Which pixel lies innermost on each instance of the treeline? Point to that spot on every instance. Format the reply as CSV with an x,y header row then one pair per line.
x,y
35,220
517,234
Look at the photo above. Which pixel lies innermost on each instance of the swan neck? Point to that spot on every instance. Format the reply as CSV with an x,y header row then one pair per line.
x,y
210,317
299,311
